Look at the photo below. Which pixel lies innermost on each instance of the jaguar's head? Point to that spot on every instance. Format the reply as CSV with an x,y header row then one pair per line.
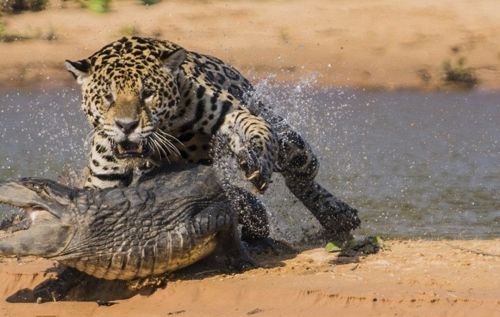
x,y
130,90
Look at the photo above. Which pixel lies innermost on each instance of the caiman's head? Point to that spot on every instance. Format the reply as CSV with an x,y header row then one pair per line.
x,y
45,231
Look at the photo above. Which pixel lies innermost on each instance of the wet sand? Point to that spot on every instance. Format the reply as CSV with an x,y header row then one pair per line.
x,y
409,278
364,43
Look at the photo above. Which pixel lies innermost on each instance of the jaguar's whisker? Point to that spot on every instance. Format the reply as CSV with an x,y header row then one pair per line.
x,y
88,138
160,148
164,141
168,135
167,143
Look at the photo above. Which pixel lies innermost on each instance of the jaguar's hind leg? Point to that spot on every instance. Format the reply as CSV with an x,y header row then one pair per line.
x,y
299,166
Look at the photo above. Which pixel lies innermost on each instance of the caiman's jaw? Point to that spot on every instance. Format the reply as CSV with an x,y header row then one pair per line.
x,y
41,232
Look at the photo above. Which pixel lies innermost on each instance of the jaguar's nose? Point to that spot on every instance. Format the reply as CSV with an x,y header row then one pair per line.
x,y
127,126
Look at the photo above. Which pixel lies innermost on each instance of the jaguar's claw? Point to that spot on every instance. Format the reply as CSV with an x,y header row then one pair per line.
x,y
253,170
254,175
243,164
263,187
260,187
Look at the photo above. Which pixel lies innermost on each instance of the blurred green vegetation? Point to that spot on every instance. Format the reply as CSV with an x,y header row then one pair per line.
x,y
99,6
5,36
459,74
129,30
149,2
103,6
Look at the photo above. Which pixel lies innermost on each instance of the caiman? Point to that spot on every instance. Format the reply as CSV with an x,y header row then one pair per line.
x,y
165,222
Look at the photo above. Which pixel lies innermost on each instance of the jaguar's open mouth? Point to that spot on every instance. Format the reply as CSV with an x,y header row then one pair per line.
x,y
128,149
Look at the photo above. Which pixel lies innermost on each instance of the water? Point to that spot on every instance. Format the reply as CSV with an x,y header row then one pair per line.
x,y
415,164
41,132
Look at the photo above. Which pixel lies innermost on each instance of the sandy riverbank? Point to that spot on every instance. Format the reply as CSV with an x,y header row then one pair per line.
x,y
364,43
410,278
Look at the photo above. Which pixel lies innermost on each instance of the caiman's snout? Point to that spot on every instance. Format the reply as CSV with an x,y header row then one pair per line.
x,y
18,195
43,232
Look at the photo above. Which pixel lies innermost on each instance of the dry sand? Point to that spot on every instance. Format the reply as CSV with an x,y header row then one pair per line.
x,y
362,43
410,278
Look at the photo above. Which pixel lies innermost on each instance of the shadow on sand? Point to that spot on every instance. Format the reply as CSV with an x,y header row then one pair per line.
x,y
72,285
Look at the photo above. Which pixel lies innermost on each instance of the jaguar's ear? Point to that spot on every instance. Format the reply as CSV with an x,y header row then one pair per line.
x,y
173,59
79,69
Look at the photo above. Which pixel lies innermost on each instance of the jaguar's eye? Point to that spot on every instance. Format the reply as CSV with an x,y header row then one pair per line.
x,y
146,95
109,99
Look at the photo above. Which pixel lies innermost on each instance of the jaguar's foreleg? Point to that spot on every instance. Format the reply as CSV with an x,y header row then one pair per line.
x,y
253,143
251,212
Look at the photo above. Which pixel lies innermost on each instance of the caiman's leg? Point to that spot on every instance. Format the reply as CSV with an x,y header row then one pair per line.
x,y
252,141
222,219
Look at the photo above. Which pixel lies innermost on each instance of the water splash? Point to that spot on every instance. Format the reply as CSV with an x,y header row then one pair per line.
x,y
41,131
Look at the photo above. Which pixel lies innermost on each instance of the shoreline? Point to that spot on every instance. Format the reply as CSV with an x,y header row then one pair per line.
x,y
409,278
364,44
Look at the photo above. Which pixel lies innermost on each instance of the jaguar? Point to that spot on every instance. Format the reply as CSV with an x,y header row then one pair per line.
x,y
152,102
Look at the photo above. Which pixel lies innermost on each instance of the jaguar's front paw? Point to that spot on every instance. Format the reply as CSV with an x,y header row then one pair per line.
x,y
255,168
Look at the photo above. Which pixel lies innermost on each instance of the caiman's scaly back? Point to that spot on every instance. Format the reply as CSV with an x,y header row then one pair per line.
x,y
165,223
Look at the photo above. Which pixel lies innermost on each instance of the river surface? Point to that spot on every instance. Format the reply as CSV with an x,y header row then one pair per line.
x,y
423,165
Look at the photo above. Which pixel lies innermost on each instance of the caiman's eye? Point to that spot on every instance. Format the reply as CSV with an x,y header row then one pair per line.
x,y
147,95
33,186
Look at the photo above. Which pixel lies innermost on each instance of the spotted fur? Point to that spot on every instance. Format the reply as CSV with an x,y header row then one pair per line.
x,y
151,101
